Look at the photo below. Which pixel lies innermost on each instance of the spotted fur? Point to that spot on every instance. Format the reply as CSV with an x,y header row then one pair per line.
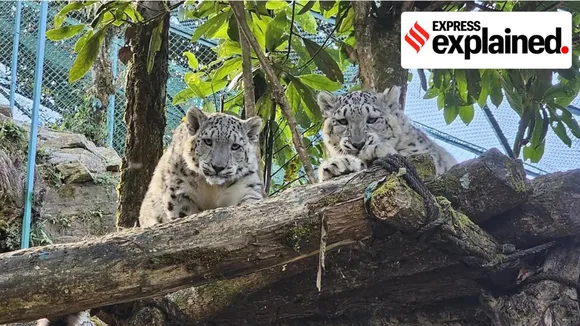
x,y
209,163
362,126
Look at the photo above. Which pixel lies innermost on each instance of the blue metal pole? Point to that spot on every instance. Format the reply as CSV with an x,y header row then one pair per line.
x,y
111,106
31,163
15,43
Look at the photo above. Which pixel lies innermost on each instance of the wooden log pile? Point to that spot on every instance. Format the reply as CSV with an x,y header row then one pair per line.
x,y
313,256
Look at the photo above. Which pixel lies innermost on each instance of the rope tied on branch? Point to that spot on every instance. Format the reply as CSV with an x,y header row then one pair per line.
x,y
458,235
394,163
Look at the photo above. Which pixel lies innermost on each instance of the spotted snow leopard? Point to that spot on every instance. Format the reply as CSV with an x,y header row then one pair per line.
x,y
361,126
210,163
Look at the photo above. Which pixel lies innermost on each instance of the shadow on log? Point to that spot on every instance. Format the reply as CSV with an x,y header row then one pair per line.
x,y
267,254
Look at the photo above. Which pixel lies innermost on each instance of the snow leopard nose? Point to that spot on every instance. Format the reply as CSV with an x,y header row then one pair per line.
x,y
359,145
218,168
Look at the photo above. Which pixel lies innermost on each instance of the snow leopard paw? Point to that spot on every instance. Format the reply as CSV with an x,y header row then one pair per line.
x,y
338,166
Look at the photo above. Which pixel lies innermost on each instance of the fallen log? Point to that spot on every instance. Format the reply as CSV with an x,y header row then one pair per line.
x,y
214,245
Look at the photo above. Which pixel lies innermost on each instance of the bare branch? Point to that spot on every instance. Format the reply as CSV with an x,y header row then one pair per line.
x,y
277,89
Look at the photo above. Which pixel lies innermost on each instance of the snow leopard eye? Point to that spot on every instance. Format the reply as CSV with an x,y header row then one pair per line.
x,y
207,141
343,122
372,120
235,147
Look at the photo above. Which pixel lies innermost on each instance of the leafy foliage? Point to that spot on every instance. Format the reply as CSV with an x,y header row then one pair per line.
x,y
539,102
305,67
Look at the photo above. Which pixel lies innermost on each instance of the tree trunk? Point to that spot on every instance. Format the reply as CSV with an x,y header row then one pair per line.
x,y
144,115
378,48
102,87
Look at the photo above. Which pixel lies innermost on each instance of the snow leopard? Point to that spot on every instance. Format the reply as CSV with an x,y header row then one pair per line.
x,y
361,126
209,163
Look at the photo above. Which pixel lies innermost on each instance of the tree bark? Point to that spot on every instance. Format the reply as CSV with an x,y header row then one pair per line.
x,y
552,208
549,297
282,234
144,115
378,48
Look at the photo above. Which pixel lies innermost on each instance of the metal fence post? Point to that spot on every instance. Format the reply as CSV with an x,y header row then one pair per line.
x,y
111,106
15,44
31,163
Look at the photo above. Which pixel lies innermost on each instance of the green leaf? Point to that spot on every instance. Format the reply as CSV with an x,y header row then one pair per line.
x,y
560,130
307,22
450,113
276,4
466,113
210,26
229,67
320,82
82,41
293,97
87,56
307,7
104,11
275,31
324,61
567,117
133,14
327,4
64,33
431,93
183,95
311,106
60,17
496,96
191,60
473,83
348,21
208,106
154,44
538,153
233,31
440,101
461,82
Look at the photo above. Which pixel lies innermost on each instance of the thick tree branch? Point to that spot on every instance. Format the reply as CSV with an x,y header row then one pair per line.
x,y
249,99
277,89
280,234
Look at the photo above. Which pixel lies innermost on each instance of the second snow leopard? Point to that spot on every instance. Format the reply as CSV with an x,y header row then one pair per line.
x,y
361,126
210,163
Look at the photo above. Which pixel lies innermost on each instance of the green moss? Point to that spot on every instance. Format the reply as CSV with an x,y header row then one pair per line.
x,y
388,186
13,138
517,180
299,235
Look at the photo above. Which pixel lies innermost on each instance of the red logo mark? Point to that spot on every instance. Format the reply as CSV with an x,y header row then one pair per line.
x,y
413,38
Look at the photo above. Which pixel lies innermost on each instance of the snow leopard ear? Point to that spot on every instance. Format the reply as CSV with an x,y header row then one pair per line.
x,y
195,118
326,102
391,97
253,126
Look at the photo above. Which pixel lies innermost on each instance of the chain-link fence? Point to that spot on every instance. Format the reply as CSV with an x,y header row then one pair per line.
x,y
60,98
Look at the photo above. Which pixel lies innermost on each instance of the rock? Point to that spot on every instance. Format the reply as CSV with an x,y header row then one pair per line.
x,y
111,159
5,111
51,139
74,172
78,211
90,161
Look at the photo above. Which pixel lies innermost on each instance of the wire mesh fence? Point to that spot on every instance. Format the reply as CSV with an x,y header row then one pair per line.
x,y
60,98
